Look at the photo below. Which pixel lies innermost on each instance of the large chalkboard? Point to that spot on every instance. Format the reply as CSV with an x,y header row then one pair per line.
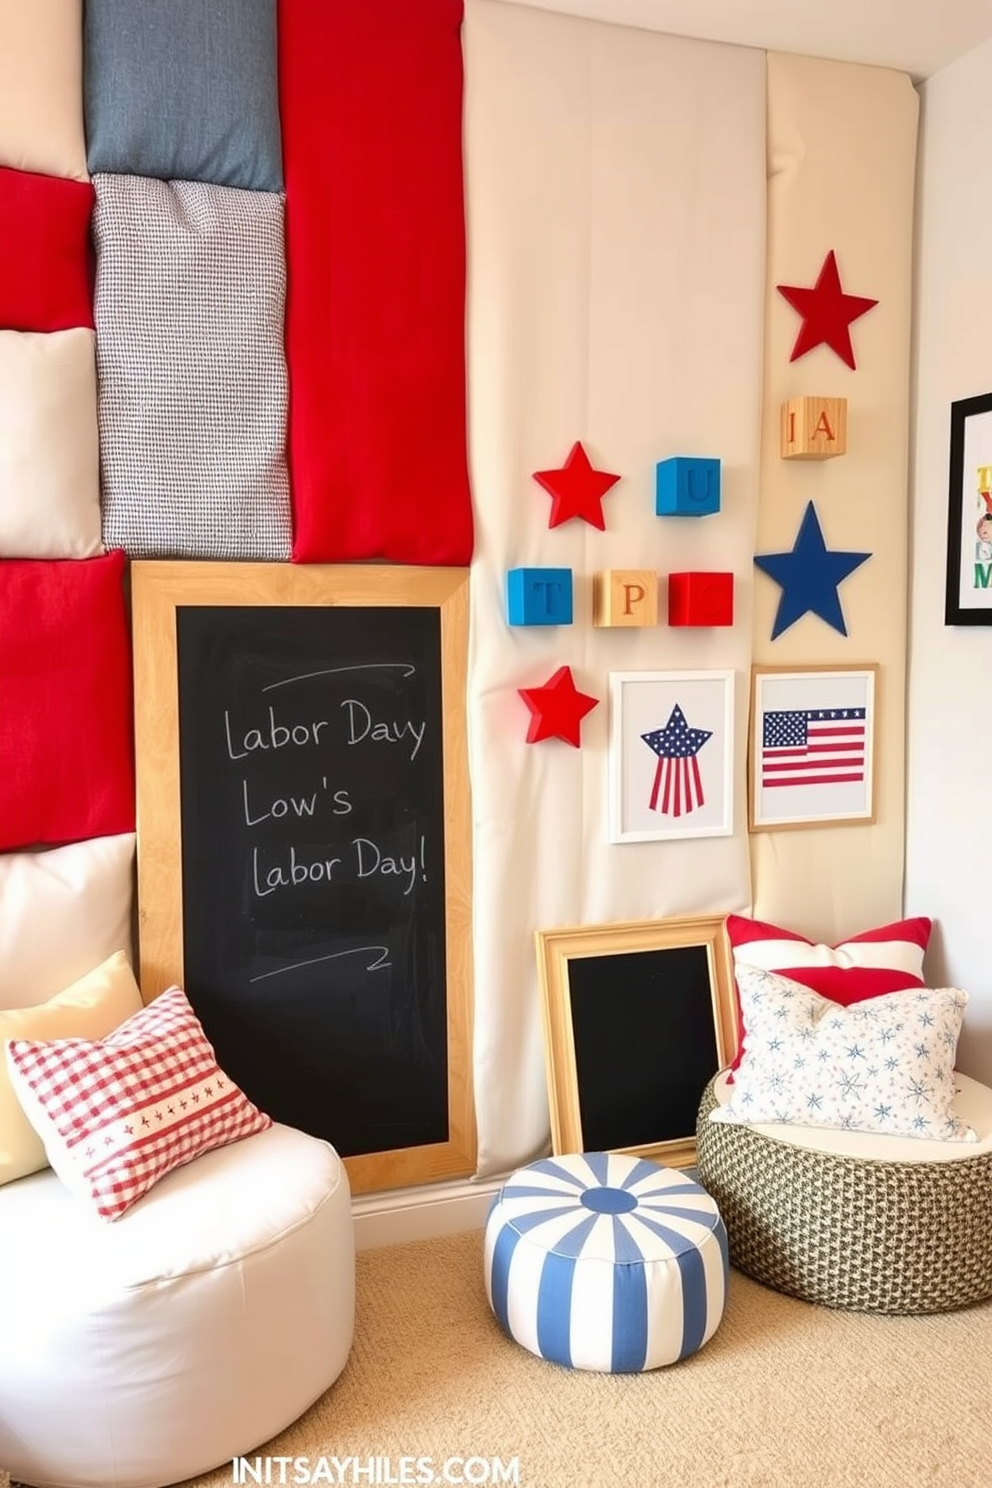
x,y
638,1017
313,757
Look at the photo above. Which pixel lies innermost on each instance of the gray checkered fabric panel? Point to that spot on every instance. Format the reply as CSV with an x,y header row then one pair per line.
x,y
192,385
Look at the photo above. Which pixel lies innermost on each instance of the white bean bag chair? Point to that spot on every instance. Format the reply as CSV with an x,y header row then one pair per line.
x,y
189,1331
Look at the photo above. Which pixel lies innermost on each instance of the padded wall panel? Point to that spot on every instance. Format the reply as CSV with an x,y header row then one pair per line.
x,y
190,294
49,462
66,737
41,87
371,101
185,91
45,231
62,912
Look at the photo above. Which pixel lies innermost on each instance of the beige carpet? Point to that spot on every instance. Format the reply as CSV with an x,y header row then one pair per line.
x,y
785,1395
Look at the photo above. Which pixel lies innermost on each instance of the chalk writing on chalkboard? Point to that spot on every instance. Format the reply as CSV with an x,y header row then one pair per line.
x,y
312,791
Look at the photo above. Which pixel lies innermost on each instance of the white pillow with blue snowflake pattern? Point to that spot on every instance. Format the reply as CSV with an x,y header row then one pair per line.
x,y
885,1065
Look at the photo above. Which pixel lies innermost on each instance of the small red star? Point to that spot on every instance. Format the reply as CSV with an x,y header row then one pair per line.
x,y
827,313
557,708
577,488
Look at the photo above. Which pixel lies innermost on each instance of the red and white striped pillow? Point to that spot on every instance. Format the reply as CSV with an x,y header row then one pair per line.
x,y
117,1114
888,959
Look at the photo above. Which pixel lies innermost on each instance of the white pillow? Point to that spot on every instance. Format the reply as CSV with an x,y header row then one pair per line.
x,y
41,87
91,1008
62,912
49,454
885,1065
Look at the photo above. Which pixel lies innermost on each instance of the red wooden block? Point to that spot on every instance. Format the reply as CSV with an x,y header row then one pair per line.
x,y
701,599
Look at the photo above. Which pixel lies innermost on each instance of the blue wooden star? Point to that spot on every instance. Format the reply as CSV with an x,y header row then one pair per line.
x,y
809,576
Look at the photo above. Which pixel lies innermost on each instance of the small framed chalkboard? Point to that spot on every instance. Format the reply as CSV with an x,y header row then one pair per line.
x,y
304,849
637,1018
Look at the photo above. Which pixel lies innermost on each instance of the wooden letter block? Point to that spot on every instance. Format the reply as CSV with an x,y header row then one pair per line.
x,y
701,599
625,596
539,596
814,428
687,487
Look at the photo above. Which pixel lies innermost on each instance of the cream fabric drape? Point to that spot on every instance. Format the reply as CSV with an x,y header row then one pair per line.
x,y
841,167
616,218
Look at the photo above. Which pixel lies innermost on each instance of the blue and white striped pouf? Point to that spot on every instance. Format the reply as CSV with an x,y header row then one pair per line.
x,y
606,1261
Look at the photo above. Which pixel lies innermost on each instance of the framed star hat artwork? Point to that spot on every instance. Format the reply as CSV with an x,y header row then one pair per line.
x,y
671,755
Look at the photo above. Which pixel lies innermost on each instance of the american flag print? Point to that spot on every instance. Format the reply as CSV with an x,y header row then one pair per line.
x,y
677,787
813,746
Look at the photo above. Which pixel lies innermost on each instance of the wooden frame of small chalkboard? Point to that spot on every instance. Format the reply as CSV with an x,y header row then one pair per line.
x,y
216,646
637,1018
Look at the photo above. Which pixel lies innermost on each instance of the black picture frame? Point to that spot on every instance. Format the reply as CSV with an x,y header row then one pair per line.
x,y
971,427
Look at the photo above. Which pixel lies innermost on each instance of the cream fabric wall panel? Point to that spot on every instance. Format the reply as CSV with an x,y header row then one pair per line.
x,y
41,87
616,207
841,164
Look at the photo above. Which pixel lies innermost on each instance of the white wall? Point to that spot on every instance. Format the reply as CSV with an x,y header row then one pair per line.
x,y
949,778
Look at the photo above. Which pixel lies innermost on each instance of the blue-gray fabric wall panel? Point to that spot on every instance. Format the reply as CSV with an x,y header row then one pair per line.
x,y
186,90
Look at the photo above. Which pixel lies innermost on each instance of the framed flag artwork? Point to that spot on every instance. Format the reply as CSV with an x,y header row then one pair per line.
x,y
812,746
671,755
968,599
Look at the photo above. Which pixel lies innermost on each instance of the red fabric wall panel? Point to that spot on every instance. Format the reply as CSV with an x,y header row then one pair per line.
x,y
371,109
66,738
45,278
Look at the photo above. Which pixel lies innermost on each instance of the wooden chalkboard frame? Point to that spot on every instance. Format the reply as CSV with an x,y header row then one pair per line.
x,y
557,949
158,589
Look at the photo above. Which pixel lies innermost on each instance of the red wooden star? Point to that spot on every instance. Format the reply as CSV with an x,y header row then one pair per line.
x,y
827,313
557,708
577,488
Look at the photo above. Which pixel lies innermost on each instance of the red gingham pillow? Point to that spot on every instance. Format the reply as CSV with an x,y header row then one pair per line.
x,y
117,1114
888,959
